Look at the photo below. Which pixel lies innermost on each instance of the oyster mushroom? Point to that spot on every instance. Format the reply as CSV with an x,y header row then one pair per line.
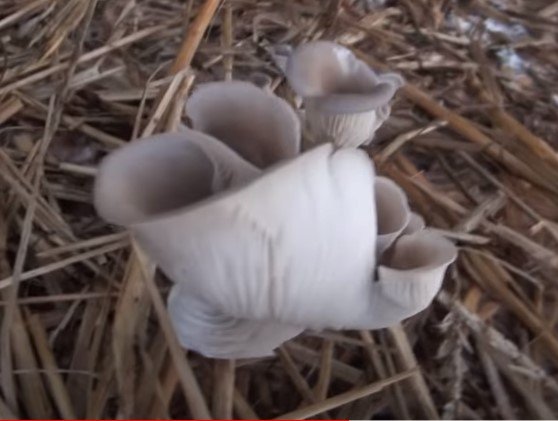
x,y
345,100
261,247
257,124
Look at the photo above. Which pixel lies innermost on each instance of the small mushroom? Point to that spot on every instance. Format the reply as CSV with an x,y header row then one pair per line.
x,y
345,100
412,277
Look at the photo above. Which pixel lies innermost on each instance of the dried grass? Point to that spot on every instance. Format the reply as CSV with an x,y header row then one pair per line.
x,y
472,139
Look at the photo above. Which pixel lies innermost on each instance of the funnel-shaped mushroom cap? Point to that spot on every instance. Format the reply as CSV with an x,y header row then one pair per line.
x,y
393,212
253,265
346,101
413,276
345,84
258,125
159,174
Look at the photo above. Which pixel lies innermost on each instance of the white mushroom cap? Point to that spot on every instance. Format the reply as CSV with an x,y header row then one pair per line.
x,y
345,84
255,264
346,101
413,276
258,125
260,252
321,68
163,172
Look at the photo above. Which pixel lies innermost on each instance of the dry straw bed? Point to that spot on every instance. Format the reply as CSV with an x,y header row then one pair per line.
x,y
471,139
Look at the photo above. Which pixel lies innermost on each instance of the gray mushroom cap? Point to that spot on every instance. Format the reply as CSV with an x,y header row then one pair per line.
x,y
346,101
259,126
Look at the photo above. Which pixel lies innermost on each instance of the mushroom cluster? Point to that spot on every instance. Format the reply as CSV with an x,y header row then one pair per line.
x,y
261,240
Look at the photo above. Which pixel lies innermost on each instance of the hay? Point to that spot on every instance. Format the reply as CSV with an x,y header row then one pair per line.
x,y
471,139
